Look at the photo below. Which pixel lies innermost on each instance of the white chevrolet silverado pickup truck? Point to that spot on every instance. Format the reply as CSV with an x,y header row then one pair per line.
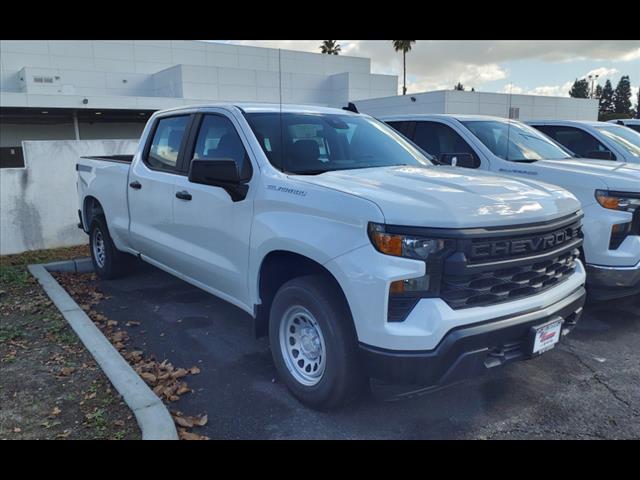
x,y
351,251
609,191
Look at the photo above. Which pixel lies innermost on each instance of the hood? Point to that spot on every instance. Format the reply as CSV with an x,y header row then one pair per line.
x,y
449,197
601,173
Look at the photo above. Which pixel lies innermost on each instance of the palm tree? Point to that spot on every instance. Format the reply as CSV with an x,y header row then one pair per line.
x,y
330,47
403,46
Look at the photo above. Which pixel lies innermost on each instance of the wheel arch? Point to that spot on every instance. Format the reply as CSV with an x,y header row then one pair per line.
x,y
91,207
277,268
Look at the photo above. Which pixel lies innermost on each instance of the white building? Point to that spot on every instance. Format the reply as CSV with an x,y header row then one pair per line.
x,y
83,90
519,107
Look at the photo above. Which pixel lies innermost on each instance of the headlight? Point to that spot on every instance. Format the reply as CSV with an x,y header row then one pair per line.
x,y
624,201
418,248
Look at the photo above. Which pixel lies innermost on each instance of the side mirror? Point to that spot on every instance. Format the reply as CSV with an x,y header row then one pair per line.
x,y
464,160
223,172
600,154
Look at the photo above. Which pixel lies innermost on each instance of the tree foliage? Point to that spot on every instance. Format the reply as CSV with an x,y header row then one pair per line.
x,y
606,100
330,47
403,46
622,96
580,89
459,86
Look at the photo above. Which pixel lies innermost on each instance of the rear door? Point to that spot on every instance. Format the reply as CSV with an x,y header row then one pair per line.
x,y
151,189
214,229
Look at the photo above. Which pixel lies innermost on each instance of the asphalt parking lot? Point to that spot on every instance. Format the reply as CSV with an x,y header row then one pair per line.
x,y
587,387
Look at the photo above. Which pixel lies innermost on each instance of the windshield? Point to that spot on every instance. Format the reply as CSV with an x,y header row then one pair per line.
x,y
623,137
515,141
317,143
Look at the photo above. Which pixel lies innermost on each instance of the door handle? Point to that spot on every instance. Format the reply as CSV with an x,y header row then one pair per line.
x,y
183,195
135,185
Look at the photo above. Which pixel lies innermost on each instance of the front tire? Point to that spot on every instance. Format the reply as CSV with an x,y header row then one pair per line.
x,y
108,262
313,343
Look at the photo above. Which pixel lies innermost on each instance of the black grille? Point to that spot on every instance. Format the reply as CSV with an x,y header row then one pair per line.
x,y
507,284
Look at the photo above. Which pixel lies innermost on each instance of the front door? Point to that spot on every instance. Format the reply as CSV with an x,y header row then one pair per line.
x,y
214,229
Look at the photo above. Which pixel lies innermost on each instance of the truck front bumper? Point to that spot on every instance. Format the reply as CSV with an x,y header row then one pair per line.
x,y
469,350
613,282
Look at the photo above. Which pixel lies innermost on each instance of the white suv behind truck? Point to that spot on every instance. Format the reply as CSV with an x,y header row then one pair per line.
x,y
609,191
352,252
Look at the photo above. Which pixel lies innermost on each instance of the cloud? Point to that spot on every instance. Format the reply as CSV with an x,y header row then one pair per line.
x,y
601,72
440,64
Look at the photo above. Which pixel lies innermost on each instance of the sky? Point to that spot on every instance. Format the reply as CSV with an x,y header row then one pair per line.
x,y
543,67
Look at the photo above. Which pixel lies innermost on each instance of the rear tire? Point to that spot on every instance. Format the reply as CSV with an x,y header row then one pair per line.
x,y
314,344
108,262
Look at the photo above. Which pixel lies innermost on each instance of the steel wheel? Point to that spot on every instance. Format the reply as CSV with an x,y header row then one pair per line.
x,y
302,345
99,250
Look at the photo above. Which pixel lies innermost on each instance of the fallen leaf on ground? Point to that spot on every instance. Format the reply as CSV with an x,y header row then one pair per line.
x,y
55,412
202,420
194,370
184,435
149,377
17,429
181,372
64,434
183,389
66,371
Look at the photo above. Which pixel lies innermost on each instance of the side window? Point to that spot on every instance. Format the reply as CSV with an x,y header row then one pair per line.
x,y
399,126
438,139
218,140
165,145
578,141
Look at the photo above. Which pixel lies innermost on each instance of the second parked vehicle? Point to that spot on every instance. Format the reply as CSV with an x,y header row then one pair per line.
x,y
609,191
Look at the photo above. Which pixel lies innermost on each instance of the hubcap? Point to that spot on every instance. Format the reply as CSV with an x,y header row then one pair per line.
x,y
302,345
98,248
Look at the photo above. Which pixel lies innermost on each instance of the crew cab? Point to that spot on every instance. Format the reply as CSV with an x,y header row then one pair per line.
x,y
599,140
609,191
354,254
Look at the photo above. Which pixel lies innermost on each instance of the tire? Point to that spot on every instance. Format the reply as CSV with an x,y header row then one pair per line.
x,y
108,262
328,373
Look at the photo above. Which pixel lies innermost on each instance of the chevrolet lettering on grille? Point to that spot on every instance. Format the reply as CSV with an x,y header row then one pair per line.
x,y
514,247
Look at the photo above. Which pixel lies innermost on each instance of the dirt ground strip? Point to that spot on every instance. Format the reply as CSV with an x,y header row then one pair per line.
x,y
168,382
50,387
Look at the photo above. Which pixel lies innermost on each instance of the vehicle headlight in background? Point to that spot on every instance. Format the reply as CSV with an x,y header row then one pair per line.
x,y
624,201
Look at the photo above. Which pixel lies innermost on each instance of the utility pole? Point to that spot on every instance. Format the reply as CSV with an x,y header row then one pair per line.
x,y
593,78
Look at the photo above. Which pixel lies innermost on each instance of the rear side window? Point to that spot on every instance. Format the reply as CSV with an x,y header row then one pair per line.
x,y
402,127
165,145
582,143
438,139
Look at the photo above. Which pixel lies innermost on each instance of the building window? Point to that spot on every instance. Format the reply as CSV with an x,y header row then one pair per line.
x,y
11,157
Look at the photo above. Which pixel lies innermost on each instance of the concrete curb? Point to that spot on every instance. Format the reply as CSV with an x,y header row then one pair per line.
x,y
151,414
